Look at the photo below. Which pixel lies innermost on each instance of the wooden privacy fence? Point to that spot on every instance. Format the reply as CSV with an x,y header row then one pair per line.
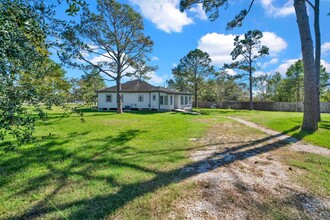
x,y
266,106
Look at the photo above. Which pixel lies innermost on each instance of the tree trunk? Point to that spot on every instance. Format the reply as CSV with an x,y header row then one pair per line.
x,y
195,96
298,91
317,33
310,98
119,100
250,87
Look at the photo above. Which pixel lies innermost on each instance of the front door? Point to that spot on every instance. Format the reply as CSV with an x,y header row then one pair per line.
x,y
176,101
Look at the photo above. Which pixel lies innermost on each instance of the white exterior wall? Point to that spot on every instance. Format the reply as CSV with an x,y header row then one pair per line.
x,y
129,99
132,100
102,103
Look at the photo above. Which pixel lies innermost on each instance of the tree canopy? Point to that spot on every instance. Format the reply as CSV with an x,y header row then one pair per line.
x,y
115,36
192,72
311,108
247,51
22,51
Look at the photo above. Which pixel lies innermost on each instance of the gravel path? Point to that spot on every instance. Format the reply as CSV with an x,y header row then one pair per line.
x,y
240,174
297,145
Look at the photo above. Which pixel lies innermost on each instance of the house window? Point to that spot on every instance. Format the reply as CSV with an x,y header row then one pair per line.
x,y
140,98
163,100
154,97
181,100
108,98
189,100
186,100
171,100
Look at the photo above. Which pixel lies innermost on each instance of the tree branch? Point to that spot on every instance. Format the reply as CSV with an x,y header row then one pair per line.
x,y
310,4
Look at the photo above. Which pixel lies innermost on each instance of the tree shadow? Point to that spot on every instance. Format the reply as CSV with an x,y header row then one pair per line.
x,y
84,165
324,124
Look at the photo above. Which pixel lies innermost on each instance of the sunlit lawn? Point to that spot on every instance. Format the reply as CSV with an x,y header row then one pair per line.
x,y
124,165
286,122
90,170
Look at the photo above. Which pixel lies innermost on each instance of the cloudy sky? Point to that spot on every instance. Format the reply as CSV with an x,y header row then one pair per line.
x,y
175,33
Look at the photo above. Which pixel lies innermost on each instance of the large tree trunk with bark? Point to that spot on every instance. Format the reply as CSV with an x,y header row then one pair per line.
x,y
310,95
196,96
119,99
317,33
250,86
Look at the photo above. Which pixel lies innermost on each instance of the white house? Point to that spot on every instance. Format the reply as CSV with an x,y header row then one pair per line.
x,y
140,95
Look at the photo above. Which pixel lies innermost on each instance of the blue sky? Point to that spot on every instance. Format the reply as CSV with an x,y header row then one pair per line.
x,y
175,33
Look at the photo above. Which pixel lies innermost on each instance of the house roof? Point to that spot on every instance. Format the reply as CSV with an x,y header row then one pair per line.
x,y
141,86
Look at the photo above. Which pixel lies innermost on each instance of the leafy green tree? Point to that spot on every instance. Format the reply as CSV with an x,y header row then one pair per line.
x,y
22,50
115,35
193,71
75,93
324,79
325,96
89,84
295,77
52,87
273,87
261,84
24,25
291,88
311,109
223,89
247,51
178,83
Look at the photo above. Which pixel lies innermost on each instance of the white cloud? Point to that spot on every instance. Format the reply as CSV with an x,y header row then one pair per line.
x,y
285,65
164,14
282,11
155,79
259,73
219,46
154,58
271,62
275,43
325,48
199,12
230,72
326,65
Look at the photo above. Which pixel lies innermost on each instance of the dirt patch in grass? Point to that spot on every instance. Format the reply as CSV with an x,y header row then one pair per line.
x,y
244,175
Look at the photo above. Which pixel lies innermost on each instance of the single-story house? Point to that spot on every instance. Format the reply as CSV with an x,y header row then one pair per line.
x,y
140,95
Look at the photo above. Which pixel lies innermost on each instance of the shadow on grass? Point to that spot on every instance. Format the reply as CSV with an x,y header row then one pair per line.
x,y
324,124
297,133
139,112
218,111
85,166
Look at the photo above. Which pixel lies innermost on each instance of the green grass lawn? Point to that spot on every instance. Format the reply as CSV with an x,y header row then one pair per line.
x,y
317,172
121,165
286,122
93,169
